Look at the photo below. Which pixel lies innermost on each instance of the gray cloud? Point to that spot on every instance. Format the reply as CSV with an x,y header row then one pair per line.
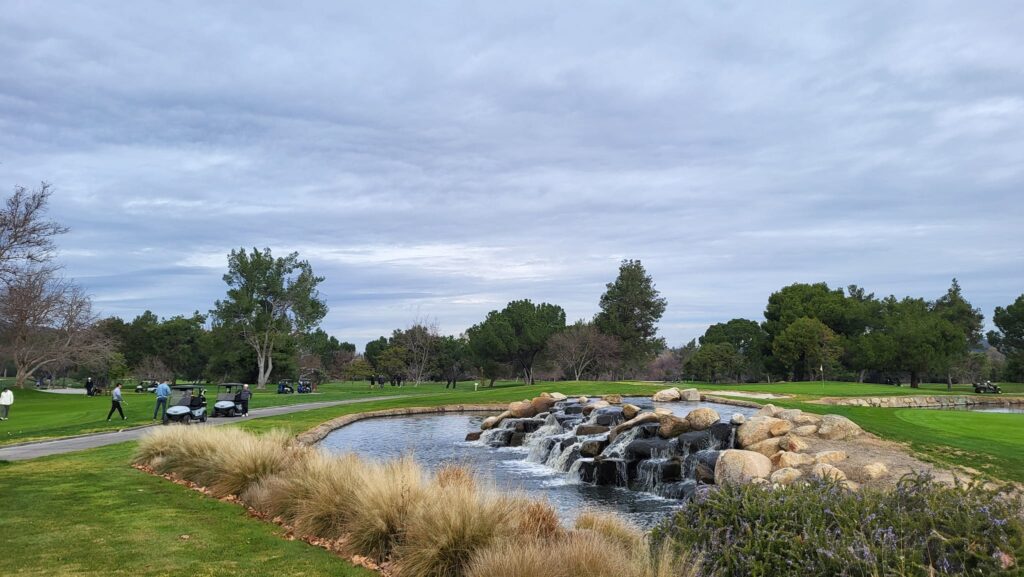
x,y
439,160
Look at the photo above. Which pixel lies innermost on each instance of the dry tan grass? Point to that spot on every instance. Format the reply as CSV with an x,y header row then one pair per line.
x,y
382,504
448,526
612,527
580,554
247,460
295,494
450,474
328,508
535,519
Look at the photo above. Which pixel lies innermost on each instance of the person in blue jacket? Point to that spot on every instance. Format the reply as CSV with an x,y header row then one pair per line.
x,y
163,391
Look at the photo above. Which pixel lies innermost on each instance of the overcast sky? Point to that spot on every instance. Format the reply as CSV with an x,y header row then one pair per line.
x,y
436,160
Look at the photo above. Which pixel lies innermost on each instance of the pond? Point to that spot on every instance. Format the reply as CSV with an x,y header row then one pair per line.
x,y
436,439
985,408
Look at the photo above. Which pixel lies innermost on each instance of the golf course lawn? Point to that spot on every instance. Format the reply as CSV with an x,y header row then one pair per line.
x,y
817,389
38,415
90,513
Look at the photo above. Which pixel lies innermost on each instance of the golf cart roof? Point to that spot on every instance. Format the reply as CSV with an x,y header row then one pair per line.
x,y
230,385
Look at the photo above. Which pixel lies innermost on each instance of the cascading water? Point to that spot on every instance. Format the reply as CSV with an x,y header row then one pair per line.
x,y
567,440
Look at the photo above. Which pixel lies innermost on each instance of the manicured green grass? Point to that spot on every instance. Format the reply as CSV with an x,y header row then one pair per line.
x,y
817,389
89,513
38,415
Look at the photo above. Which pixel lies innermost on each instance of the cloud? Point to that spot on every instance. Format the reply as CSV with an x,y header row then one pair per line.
x,y
439,160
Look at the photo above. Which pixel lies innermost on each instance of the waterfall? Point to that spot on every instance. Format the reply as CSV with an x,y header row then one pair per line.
x,y
637,459
617,449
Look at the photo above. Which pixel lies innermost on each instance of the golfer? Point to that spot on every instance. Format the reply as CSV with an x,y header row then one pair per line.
x,y
115,403
244,395
163,390
6,400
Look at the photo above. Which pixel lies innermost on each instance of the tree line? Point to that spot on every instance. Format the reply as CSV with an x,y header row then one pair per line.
x,y
811,331
267,327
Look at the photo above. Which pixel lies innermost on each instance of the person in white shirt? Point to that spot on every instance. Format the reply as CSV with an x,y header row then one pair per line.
x,y
6,400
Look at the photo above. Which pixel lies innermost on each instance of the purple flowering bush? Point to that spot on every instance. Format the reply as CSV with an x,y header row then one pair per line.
x,y
821,528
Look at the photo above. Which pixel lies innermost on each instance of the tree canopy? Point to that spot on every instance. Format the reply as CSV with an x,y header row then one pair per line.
x,y
631,307
268,300
517,334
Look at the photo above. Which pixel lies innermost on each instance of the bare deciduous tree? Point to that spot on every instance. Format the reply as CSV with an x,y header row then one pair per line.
x,y
47,322
581,347
25,237
152,368
420,343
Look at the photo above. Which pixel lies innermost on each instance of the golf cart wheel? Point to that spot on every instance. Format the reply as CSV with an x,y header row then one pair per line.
x,y
231,412
203,418
187,419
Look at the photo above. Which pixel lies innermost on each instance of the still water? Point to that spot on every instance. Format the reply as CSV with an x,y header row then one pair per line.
x,y
438,439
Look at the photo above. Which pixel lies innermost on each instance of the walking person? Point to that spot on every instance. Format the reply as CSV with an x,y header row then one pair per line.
x,y
6,400
163,391
244,395
115,403
88,387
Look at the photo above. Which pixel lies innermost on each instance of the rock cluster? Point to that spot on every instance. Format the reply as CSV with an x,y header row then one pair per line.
x,y
785,437
607,442
676,394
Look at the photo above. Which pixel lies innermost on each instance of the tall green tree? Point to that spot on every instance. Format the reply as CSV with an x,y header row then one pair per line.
x,y
807,346
180,344
631,307
747,339
517,334
862,347
373,351
269,299
715,361
1009,339
451,358
922,340
953,307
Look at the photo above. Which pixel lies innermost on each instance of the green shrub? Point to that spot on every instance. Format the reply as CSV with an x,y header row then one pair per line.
x,y
919,528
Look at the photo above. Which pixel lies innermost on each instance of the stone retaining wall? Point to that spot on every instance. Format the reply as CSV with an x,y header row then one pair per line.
x,y
320,431
936,401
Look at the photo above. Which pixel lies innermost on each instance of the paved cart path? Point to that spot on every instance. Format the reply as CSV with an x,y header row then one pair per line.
x,y
90,441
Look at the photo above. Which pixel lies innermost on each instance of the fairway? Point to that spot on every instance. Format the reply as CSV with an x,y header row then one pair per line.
x,y
38,415
126,522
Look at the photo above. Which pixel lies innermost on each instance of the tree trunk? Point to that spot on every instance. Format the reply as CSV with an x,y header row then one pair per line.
x,y
20,377
949,381
914,381
860,378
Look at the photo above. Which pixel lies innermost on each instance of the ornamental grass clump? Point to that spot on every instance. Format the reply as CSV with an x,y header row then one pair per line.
x,y
612,527
445,529
580,553
313,495
330,497
382,505
247,460
821,528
